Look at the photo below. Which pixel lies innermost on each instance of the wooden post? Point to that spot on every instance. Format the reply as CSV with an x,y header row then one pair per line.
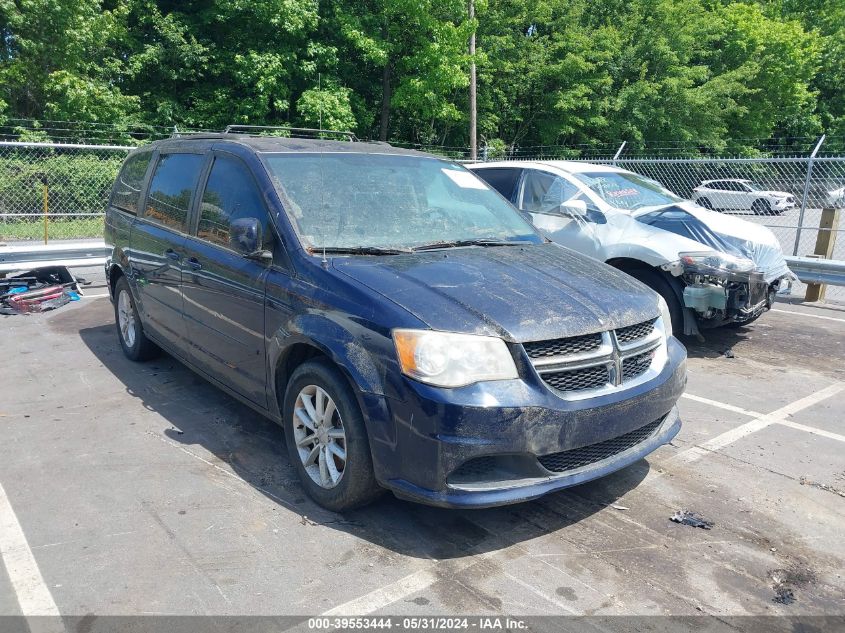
x,y
825,241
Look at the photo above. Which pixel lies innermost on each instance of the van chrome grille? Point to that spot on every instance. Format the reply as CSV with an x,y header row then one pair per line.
x,y
578,379
636,365
586,455
634,332
563,346
579,366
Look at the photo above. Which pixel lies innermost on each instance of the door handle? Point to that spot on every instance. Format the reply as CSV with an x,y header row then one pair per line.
x,y
194,263
171,254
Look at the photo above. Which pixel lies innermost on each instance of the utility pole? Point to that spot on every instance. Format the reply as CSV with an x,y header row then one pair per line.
x,y
473,142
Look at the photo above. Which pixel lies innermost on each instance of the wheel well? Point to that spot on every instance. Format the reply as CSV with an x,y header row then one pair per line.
x,y
626,263
115,273
293,358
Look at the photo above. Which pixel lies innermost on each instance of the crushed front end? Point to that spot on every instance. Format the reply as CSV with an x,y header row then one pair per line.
x,y
721,289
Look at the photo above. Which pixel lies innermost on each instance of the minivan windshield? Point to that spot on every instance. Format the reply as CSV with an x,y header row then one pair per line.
x,y
627,191
363,202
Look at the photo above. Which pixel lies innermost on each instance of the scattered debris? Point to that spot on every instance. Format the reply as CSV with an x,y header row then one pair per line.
x,y
729,353
693,519
804,481
786,581
38,290
616,507
783,595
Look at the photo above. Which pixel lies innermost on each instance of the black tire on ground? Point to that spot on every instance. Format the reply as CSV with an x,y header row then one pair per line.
x,y
657,282
761,207
136,347
357,485
705,202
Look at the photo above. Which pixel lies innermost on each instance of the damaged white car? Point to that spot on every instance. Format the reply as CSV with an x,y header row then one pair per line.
x,y
712,269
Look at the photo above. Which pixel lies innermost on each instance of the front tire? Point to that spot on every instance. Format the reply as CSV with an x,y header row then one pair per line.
x,y
327,438
134,342
705,202
661,286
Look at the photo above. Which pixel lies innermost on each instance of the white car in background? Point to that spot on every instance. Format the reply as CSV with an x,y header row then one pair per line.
x,y
736,194
835,199
711,269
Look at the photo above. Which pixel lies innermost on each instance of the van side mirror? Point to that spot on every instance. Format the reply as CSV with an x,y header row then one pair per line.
x,y
245,235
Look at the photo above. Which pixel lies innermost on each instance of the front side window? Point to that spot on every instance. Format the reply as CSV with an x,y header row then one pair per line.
x,y
230,194
350,200
127,188
543,192
171,189
627,191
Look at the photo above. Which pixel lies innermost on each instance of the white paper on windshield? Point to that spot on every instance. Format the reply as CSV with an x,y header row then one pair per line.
x,y
464,179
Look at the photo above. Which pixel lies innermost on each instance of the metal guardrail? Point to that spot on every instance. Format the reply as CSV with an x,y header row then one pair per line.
x,y
72,255
813,270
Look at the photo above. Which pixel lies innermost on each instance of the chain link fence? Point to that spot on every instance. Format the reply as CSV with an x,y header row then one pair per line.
x,y
55,191
59,191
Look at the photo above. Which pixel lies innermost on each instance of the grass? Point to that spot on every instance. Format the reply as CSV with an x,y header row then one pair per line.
x,y
57,229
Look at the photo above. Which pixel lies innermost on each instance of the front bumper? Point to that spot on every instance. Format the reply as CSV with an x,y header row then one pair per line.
x,y
438,436
782,204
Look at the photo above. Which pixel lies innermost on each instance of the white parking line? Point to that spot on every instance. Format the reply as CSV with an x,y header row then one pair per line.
x,y
810,316
384,596
723,405
757,424
31,592
811,429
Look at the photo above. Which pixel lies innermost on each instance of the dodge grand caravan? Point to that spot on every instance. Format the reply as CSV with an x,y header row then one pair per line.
x,y
403,323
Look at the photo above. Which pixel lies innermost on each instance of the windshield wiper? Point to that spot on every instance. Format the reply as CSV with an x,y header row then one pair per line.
x,y
483,241
358,250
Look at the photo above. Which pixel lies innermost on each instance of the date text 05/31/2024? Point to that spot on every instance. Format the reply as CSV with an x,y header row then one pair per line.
x,y
414,623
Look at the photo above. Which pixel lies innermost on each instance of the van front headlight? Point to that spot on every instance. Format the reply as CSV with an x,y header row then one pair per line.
x,y
447,359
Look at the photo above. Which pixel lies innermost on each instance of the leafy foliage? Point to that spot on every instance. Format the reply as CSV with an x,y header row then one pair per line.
x,y
710,74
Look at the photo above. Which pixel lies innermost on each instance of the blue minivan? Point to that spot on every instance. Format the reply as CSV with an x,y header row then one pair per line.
x,y
408,328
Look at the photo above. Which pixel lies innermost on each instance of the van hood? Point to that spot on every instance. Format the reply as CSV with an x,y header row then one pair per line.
x,y
519,293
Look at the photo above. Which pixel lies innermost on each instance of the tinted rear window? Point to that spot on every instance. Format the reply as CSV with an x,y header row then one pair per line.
x,y
502,180
171,189
127,188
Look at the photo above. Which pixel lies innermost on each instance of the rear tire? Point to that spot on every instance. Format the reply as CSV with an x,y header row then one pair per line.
x,y
761,207
130,332
662,286
327,439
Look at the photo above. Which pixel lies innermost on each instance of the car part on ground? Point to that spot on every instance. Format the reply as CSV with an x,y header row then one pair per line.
x,y
38,290
406,327
637,225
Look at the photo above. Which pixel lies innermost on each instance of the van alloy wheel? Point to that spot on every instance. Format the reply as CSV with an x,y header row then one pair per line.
x,y
126,318
319,435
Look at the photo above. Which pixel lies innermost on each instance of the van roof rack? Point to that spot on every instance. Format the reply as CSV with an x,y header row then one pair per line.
x,y
254,129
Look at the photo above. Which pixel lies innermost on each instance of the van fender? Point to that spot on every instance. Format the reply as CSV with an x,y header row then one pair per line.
x,y
335,341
